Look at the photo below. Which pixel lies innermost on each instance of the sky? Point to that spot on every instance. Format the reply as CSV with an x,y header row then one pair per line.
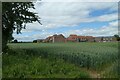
x,y
72,17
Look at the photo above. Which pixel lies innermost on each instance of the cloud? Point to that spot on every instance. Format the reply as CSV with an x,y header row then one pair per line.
x,y
71,13
63,14
72,8
27,37
107,17
79,0
109,30
67,21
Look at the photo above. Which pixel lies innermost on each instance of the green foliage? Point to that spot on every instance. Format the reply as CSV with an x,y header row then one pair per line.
x,y
34,41
15,15
89,55
117,37
111,71
17,64
92,56
15,41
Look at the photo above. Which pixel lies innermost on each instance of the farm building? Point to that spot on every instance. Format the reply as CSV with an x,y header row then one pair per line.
x,y
75,38
105,39
98,39
72,38
90,38
55,38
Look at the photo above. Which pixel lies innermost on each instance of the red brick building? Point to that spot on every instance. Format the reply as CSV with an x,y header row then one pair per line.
x,y
90,38
55,38
72,38
75,38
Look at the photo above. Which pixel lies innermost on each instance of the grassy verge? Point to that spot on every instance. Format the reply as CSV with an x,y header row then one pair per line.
x,y
111,71
67,60
16,65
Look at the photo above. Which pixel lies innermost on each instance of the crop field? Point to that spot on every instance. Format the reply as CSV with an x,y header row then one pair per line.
x,y
61,60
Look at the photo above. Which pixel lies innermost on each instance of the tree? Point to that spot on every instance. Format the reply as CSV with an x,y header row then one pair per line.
x,y
117,37
15,41
102,39
15,15
34,41
10,39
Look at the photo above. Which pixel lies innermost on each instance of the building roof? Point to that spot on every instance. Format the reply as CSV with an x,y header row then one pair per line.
x,y
73,35
81,37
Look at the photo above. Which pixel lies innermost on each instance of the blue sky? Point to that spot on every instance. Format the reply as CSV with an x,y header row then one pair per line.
x,y
81,18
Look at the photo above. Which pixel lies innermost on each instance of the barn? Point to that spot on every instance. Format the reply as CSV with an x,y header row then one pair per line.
x,y
75,38
55,38
105,39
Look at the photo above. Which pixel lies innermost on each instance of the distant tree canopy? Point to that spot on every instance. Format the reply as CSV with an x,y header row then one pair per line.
x,y
117,37
34,41
102,39
15,41
15,15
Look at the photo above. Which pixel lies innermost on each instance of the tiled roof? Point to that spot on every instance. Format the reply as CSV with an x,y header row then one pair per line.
x,y
81,37
73,35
